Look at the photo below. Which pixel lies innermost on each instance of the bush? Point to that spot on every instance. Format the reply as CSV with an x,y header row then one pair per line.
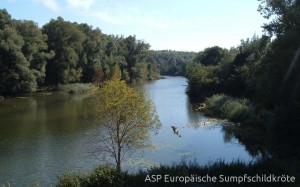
x,y
235,110
77,88
100,176
108,176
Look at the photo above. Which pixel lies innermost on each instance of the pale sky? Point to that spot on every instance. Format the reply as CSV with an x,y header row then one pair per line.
x,y
184,25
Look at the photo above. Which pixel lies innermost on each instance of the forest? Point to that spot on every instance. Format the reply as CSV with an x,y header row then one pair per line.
x,y
254,85
62,52
170,62
257,83
263,71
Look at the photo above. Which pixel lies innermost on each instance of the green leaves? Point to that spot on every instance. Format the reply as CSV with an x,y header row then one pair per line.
x,y
23,55
66,40
126,117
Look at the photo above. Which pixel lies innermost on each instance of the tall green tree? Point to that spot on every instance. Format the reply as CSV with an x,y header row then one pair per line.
x,y
92,55
23,55
15,75
278,86
35,48
136,53
66,40
211,56
282,62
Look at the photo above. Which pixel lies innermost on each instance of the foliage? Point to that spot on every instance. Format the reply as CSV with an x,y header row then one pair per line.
x,y
264,71
284,14
126,118
77,88
231,71
211,56
206,74
23,55
201,78
66,40
236,110
92,55
108,176
62,52
278,88
116,73
135,53
170,62
100,176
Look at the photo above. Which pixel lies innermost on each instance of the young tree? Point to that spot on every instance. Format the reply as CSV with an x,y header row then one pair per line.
x,y
126,118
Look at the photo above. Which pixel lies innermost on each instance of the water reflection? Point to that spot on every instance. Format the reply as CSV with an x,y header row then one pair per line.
x,y
43,135
201,138
253,138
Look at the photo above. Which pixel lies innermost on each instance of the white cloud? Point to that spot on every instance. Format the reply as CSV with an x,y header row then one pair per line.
x,y
123,15
80,4
51,4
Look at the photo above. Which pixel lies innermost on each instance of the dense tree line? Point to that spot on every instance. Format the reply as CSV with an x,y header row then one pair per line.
x,y
265,69
62,52
171,62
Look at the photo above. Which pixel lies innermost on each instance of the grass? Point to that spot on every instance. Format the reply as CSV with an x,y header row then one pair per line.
x,y
226,107
100,176
108,176
77,88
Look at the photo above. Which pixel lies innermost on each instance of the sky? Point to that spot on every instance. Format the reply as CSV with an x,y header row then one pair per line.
x,y
182,25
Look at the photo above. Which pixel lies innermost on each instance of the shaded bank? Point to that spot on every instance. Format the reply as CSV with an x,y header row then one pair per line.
x,y
215,174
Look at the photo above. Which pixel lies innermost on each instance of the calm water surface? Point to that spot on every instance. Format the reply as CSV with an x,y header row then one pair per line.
x,y
44,135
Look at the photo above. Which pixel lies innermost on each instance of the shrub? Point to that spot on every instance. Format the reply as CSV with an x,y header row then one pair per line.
x,y
236,110
77,88
108,176
100,176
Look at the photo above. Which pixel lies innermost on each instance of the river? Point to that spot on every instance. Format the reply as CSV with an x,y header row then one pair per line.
x,y
46,134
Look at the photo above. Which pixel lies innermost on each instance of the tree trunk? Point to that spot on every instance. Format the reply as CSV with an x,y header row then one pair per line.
x,y
119,159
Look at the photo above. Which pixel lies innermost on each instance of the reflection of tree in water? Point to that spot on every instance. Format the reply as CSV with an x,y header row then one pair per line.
x,y
193,115
228,134
253,138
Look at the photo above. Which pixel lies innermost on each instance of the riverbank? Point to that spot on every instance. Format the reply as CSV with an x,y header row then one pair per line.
x,y
77,88
244,120
236,110
262,132
220,173
57,133
72,89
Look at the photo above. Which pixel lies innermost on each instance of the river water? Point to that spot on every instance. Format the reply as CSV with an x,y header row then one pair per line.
x,y
44,135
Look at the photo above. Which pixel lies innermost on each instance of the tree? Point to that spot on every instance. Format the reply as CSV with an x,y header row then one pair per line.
x,y
22,55
278,85
15,75
135,54
211,56
66,40
35,48
92,54
167,62
126,118
284,14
